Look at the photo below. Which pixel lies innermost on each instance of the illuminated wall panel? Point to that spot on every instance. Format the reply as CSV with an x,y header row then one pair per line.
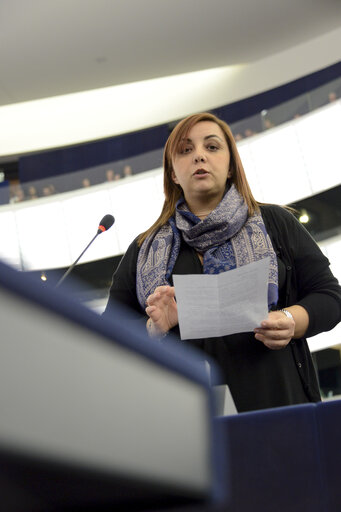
x,y
136,205
319,139
42,235
82,214
280,166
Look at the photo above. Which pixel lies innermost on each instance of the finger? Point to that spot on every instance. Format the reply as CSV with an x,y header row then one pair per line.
x,y
161,299
150,310
164,289
278,323
273,344
160,291
269,333
155,316
153,298
171,291
153,312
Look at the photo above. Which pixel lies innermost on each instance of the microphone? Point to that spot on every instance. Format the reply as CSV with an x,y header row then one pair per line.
x,y
105,224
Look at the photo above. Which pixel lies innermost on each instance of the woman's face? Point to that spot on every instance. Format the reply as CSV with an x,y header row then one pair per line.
x,y
201,163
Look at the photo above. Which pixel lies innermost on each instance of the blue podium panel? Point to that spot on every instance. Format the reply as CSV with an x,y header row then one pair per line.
x,y
96,399
274,460
329,422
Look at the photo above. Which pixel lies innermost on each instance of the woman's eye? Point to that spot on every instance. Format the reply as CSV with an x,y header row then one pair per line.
x,y
185,150
212,147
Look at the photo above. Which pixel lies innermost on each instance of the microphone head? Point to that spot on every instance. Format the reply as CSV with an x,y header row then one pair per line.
x,y
106,223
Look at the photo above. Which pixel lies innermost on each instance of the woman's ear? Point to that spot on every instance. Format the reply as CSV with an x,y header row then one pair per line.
x,y
174,178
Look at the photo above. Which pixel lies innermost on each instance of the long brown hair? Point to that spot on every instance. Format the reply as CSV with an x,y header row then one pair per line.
x,y
173,191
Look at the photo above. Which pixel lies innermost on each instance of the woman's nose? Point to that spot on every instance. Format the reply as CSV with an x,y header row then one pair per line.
x,y
199,157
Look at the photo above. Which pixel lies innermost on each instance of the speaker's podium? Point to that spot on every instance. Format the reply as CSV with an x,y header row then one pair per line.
x,y
96,416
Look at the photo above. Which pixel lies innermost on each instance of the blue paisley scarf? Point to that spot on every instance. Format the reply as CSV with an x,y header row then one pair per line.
x,y
227,238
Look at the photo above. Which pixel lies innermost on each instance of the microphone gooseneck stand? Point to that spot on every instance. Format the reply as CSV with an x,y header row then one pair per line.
x,y
104,225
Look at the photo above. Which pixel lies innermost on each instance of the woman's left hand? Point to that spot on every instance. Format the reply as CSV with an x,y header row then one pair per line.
x,y
276,331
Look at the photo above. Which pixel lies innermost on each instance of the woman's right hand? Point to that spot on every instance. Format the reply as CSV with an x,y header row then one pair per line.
x,y
162,310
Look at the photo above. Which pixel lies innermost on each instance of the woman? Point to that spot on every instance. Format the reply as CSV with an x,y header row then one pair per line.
x,y
210,223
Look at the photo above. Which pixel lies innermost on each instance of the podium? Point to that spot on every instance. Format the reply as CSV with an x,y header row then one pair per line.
x,y
95,415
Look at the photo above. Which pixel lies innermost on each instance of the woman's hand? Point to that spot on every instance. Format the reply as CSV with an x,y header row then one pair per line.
x,y
162,310
276,331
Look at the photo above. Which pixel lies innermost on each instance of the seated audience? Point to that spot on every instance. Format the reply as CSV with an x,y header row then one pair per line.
x,y
86,183
47,191
110,175
268,124
127,171
332,96
16,194
249,133
32,192
238,137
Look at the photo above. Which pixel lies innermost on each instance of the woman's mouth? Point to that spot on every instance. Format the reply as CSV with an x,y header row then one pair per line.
x,y
200,172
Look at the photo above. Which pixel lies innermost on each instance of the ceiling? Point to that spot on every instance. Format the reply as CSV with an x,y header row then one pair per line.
x,y
49,48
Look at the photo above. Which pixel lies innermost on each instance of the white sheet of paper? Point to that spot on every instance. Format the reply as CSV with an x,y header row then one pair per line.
x,y
211,305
